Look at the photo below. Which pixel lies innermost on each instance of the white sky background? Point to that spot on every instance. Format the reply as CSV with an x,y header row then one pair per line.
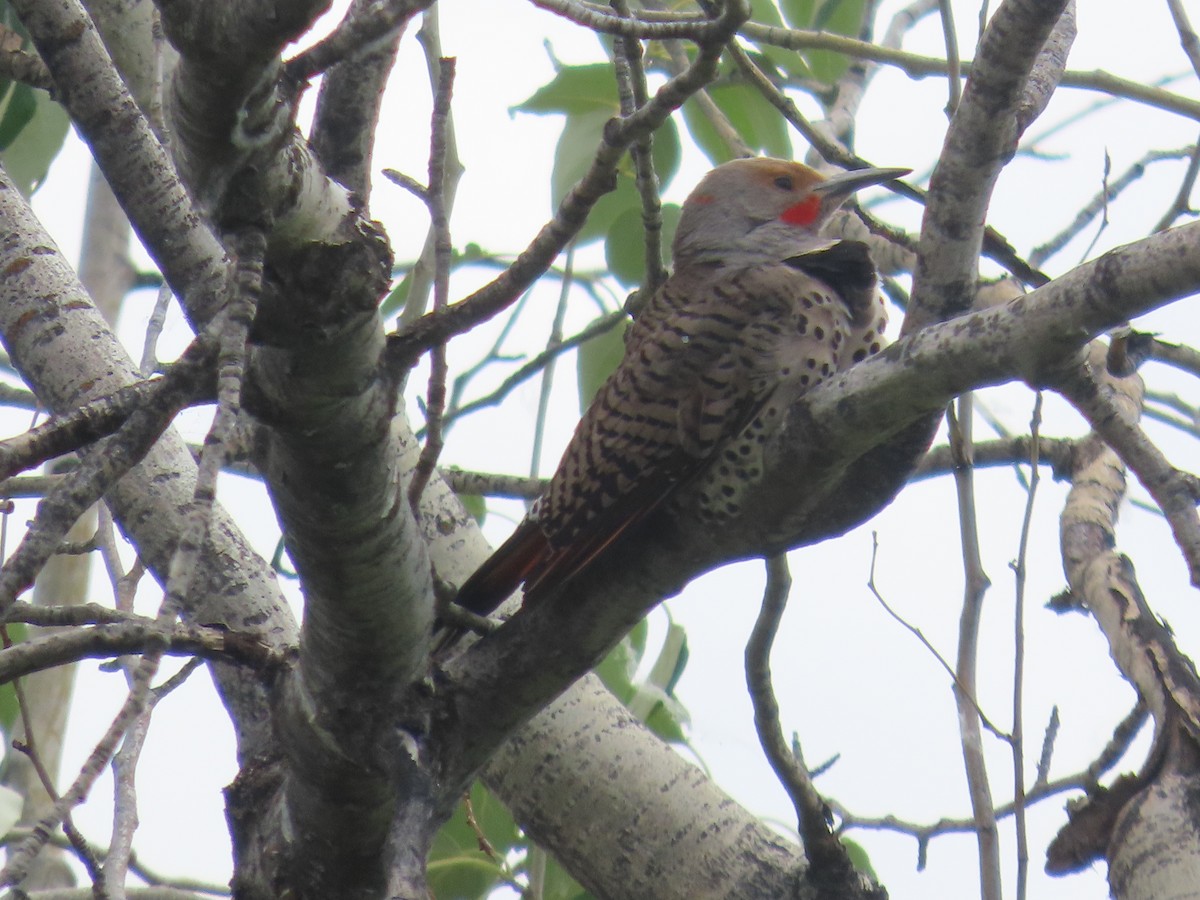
x,y
850,680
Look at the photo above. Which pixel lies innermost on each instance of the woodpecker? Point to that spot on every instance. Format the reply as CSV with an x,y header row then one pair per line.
x,y
760,308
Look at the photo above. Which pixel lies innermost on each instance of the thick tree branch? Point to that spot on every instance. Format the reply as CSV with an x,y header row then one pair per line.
x,y
1168,486
185,382
982,137
134,162
343,132
502,679
659,802
1141,824
135,635
63,348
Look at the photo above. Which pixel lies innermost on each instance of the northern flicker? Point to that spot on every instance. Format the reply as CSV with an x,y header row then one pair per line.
x,y
760,308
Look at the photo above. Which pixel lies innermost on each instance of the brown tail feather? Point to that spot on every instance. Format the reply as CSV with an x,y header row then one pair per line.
x,y
495,580
503,572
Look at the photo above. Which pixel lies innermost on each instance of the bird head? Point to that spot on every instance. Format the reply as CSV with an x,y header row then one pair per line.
x,y
764,210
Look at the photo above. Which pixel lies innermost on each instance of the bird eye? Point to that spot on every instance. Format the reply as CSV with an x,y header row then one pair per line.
x,y
784,182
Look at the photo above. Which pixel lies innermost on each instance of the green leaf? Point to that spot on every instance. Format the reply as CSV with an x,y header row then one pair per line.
x,y
457,868
860,859
475,505
587,95
625,250
653,701
398,296
755,120
20,108
618,668
667,720
637,638
576,89
581,135
31,141
575,151
559,885
672,659
9,710
844,17
596,360
798,13
766,12
666,152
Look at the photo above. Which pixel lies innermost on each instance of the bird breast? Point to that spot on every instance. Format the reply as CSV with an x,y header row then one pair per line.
x,y
703,360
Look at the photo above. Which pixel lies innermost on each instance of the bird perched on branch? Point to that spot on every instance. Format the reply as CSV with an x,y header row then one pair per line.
x,y
760,308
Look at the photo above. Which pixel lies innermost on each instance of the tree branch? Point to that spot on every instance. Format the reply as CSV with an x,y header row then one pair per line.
x,y
503,678
981,138
830,863
405,346
135,164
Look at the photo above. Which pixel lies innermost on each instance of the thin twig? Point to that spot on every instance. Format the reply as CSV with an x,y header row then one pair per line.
x,y
1058,453
974,589
1017,741
29,747
1181,205
154,327
920,636
1187,35
1044,758
633,93
953,62
486,484
1180,356
186,382
1099,204
547,383
407,345
423,273
435,405
1116,748
138,634
232,326
821,846
602,325
354,33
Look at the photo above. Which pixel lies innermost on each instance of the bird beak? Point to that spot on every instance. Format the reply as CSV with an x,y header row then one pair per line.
x,y
843,184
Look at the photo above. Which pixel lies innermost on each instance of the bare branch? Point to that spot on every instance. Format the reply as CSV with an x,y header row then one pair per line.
x,y
135,164
1017,738
186,382
21,65
365,27
1187,35
1099,204
634,94
982,135
439,216
133,634
536,364
599,180
976,583
1115,421
821,846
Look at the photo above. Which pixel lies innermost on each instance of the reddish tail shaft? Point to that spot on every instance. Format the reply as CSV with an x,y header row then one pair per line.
x,y
504,571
